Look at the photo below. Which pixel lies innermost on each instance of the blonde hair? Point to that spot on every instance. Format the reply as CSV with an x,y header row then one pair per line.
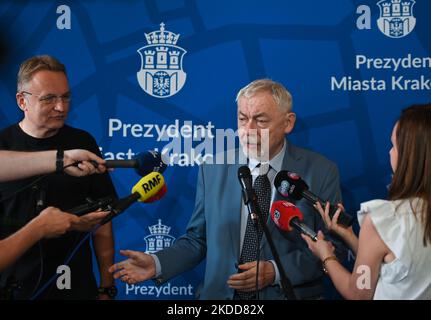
x,y
30,66
281,96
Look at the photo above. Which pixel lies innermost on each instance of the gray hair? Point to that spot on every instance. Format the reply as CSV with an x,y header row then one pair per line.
x,y
279,93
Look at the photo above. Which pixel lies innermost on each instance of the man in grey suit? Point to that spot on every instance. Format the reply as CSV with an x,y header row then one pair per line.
x,y
217,229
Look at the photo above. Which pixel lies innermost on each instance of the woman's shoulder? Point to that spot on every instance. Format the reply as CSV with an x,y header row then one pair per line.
x,y
375,207
389,209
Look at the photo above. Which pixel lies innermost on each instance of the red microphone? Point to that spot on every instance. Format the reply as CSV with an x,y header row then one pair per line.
x,y
287,217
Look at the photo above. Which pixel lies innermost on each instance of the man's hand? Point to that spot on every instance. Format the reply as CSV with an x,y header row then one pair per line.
x,y
139,267
88,221
53,222
86,163
246,280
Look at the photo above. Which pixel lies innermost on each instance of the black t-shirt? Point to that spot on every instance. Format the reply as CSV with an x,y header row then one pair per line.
x,y
31,272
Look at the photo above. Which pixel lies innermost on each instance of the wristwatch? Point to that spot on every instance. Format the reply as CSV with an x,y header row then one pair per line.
x,y
59,161
111,291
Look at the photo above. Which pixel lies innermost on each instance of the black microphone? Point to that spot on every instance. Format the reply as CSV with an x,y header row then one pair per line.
x,y
249,196
92,205
250,199
287,217
290,184
143,163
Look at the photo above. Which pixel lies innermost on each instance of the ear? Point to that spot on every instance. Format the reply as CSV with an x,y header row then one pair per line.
x,y
289,122
21,101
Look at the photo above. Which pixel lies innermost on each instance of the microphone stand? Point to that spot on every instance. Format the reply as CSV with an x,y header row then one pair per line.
x,y
251,201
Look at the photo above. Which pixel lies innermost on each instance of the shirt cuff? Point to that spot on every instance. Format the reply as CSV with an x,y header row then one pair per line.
x,y
158,266
277,274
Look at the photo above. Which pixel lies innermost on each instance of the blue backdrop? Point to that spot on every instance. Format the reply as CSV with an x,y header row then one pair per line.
x,y
344,64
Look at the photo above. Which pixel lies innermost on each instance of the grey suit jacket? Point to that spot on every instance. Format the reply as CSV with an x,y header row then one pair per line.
x,y
213,231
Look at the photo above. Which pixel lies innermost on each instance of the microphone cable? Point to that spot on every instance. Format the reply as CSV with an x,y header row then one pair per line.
x,y
113,213
53,277
39,243
108,207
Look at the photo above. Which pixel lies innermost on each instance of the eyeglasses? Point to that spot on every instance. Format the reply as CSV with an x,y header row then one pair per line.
x,y
51,99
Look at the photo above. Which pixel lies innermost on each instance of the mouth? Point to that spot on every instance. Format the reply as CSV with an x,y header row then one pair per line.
x,y
58,118
253,145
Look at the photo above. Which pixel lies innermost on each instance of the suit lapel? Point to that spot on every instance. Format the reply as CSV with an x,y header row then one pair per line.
x,y
234,203
291,157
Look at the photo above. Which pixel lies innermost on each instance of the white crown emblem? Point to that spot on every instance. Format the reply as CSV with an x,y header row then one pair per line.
x,y
161,74
159,237
396,17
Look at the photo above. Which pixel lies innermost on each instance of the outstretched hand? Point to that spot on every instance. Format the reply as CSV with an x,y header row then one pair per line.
x,y
86,163
139,267
53,222
88,221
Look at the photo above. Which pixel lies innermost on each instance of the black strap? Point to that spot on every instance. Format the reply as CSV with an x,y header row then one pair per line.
x,y
59,164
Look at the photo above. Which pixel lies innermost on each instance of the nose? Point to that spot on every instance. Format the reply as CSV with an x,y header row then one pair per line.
x,y
59,104
250,125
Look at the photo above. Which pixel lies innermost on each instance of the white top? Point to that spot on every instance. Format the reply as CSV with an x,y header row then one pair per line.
x,y
408,276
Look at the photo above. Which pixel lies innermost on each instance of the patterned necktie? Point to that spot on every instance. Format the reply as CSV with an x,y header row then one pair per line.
x,y
262,188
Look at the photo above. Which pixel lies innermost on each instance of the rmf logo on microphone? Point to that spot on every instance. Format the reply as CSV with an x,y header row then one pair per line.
x,y
148,186
151,184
